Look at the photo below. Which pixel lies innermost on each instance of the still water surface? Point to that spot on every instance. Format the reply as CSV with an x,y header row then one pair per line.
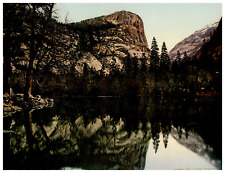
x,y
116,133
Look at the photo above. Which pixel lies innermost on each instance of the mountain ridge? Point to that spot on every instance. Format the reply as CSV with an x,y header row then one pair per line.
x,y
194,42
102,43
111,38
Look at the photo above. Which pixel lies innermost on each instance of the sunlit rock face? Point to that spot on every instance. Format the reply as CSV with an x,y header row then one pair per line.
x,y
103,43
130,22
111,39
212,50
193,43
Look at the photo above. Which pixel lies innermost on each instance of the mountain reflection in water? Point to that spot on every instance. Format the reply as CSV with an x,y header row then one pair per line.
x,y
116,133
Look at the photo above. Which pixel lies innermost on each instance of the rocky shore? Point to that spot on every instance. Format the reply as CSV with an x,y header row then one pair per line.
x,y
13,103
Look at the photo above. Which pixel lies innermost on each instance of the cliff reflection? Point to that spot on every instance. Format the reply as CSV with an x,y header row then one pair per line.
x,y
106,133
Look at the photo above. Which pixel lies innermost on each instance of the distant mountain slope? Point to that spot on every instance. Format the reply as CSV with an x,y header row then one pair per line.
x,y
209,56
194,42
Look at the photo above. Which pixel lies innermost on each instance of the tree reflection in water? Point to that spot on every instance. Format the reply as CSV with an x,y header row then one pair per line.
x,y
106,133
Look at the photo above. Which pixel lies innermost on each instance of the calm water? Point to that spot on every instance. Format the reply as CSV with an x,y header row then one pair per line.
x,y
116,133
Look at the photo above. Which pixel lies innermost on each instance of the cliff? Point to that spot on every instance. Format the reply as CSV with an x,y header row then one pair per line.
x,y
106,41
103,43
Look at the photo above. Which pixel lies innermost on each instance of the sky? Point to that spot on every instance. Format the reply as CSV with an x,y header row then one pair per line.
x,y
169,22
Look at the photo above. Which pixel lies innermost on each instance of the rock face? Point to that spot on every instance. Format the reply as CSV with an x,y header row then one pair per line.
x,y
194,42
133,23
106,41
102,43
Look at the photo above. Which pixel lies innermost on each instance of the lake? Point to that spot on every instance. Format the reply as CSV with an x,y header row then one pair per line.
x,y
92,133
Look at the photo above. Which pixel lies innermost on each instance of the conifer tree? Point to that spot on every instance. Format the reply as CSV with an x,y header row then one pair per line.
x,y
143,64
135,67
178,58
185,56
128,67
154,54
164,58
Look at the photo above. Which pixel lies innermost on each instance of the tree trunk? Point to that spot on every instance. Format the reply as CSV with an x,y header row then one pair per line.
x,y
29,81
6,75
30,70
29,129
6,65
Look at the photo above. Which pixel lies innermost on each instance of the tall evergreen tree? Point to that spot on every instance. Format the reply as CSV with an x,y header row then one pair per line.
x,y
135,67
128,67
143,64
178,58
164,58
185,56
154,54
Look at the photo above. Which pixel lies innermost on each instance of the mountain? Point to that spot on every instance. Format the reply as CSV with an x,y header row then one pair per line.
x,y
106,41
102,43
209,58
212,50
194,42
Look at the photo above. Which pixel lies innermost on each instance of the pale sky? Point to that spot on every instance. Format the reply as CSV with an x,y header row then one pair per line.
x,y
169,22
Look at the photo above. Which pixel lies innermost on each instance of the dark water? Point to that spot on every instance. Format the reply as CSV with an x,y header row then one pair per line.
x,y
116,133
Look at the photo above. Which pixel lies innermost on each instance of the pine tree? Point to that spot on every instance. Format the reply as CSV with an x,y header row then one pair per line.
x,y
128,67
143,71
185,56
154,54
178,58
135,67
165,139
143,64
164,58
